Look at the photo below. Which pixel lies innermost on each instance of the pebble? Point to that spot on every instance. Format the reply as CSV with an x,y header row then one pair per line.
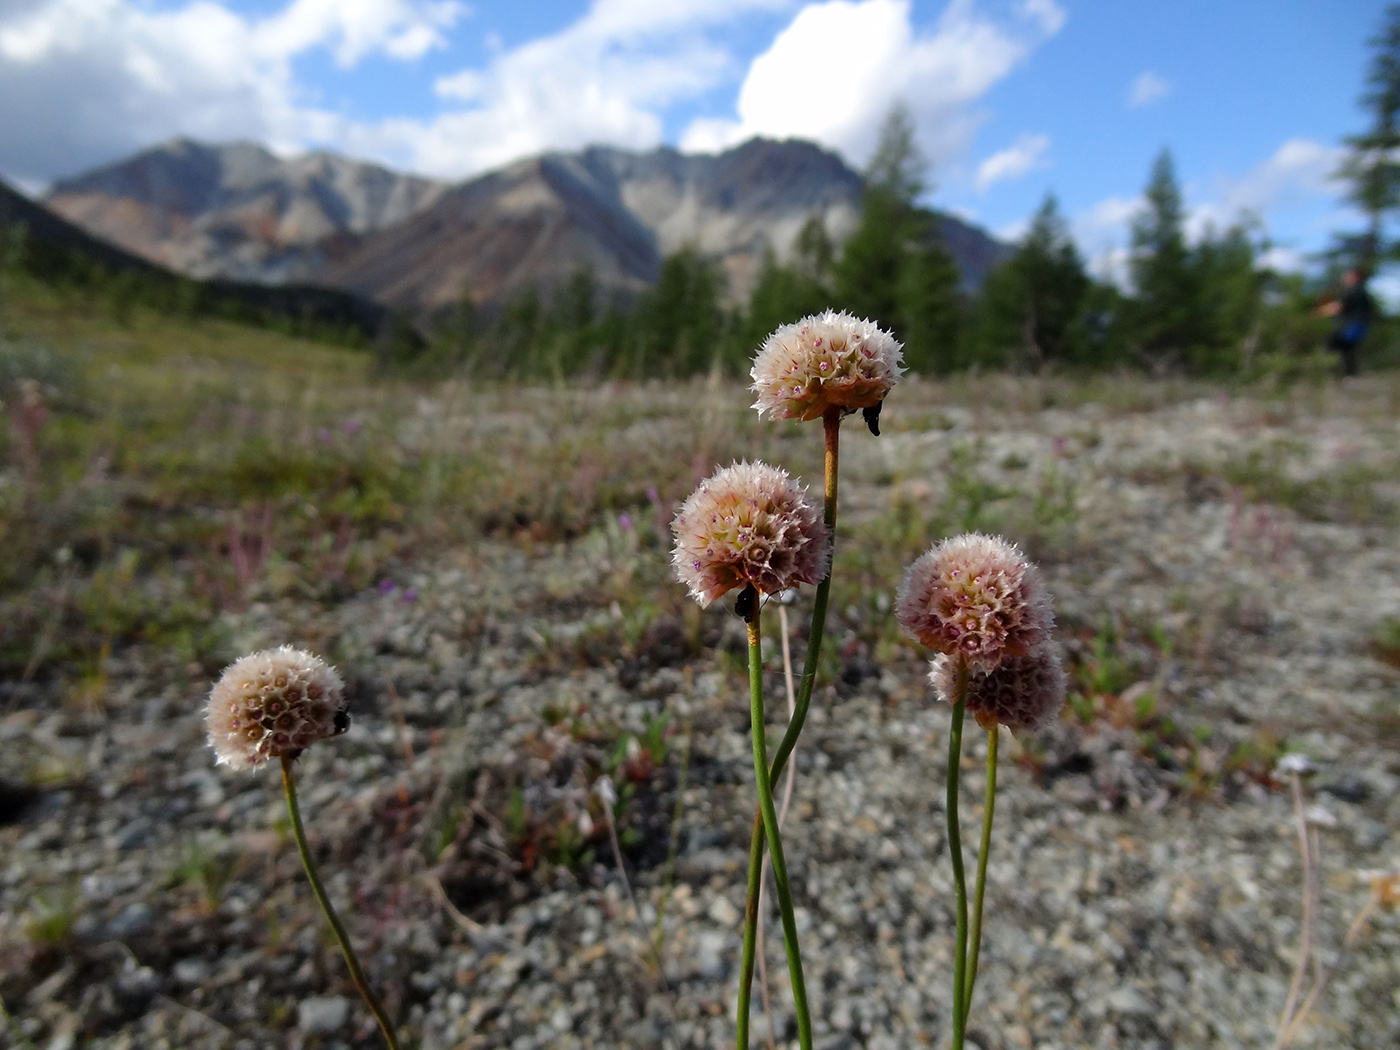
x,y
321,1016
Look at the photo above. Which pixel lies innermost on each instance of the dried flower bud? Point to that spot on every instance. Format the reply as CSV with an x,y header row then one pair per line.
x,y
1295,762
976,596
825,360
1024,692
273,703
749,524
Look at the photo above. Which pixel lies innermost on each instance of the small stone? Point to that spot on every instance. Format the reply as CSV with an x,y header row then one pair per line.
x,y
1370,834
134,919
1348,787
723,913
136,834
319,1016
710,949
1128,1002
190,972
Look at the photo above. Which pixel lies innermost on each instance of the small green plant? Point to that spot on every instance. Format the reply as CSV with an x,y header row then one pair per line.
x,y
52,916
1385,641
209,866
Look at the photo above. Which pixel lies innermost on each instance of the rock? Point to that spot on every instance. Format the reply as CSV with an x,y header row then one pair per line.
x,y
190,972
132,921
321,1016
723,913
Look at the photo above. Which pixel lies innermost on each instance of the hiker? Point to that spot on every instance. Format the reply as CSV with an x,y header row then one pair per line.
x,y
1353,309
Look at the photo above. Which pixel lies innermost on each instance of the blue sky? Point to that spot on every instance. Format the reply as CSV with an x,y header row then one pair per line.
x,y
1011,98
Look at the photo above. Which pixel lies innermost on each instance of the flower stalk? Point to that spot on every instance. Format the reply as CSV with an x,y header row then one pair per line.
x,y
955,853
770,819
831,432
342,938
980,886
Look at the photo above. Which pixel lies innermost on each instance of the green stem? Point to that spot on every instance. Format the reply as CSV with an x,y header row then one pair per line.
x,y
831,432
831,426
770,824
984,851
751,917
342,938
955,852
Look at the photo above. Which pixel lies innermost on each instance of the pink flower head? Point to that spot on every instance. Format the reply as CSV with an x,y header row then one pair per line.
x,y
825,360
1024,692
272,703
749,524
975,596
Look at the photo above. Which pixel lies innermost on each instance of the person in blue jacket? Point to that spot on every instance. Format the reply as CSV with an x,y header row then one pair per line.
x,y
1354,311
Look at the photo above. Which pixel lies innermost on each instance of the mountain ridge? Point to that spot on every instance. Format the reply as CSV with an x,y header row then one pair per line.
x,y
237,211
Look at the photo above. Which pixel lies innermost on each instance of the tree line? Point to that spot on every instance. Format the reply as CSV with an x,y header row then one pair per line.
x,y
1210,306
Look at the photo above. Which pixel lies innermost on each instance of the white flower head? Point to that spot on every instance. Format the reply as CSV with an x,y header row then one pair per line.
x,y
824,361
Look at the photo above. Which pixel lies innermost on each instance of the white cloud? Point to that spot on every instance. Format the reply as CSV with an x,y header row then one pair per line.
x,y
1296,177
839,66
86,80
1027,152
1283,259
1299,168
1102,236
1147,88
399,28
608,77
1012,232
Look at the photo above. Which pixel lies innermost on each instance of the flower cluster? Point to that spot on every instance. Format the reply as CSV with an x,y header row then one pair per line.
x,y
1024,692
976,596
749,524
979,603
274,703
824,361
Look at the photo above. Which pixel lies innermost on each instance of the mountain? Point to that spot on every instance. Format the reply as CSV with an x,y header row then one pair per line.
x,y
238,211
54,249
419,246
535,222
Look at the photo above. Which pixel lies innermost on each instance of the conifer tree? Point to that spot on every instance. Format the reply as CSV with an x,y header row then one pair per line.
x,y
1372,165
1032,306
1167,315
894,268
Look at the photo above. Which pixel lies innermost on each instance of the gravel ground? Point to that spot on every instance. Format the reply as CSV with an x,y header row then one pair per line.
x,y
1145,882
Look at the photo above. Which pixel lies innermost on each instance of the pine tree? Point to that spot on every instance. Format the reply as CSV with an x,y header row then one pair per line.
x,y
1372,166
678,325
780,295
1167,314
894,268
1032,306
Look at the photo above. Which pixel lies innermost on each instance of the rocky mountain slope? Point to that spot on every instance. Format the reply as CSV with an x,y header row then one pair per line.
x,y
57,250
239,211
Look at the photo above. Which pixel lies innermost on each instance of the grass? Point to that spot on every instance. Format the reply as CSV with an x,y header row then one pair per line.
x,y
186,468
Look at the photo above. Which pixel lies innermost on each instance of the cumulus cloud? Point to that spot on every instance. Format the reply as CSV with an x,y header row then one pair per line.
x,y
839,66
85,80
1147,87
608,77
1299,168
1027,152
1102,234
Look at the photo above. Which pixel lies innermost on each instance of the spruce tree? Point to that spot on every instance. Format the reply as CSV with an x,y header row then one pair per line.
x,y
1167,318
894,268
1032,306
1372,165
